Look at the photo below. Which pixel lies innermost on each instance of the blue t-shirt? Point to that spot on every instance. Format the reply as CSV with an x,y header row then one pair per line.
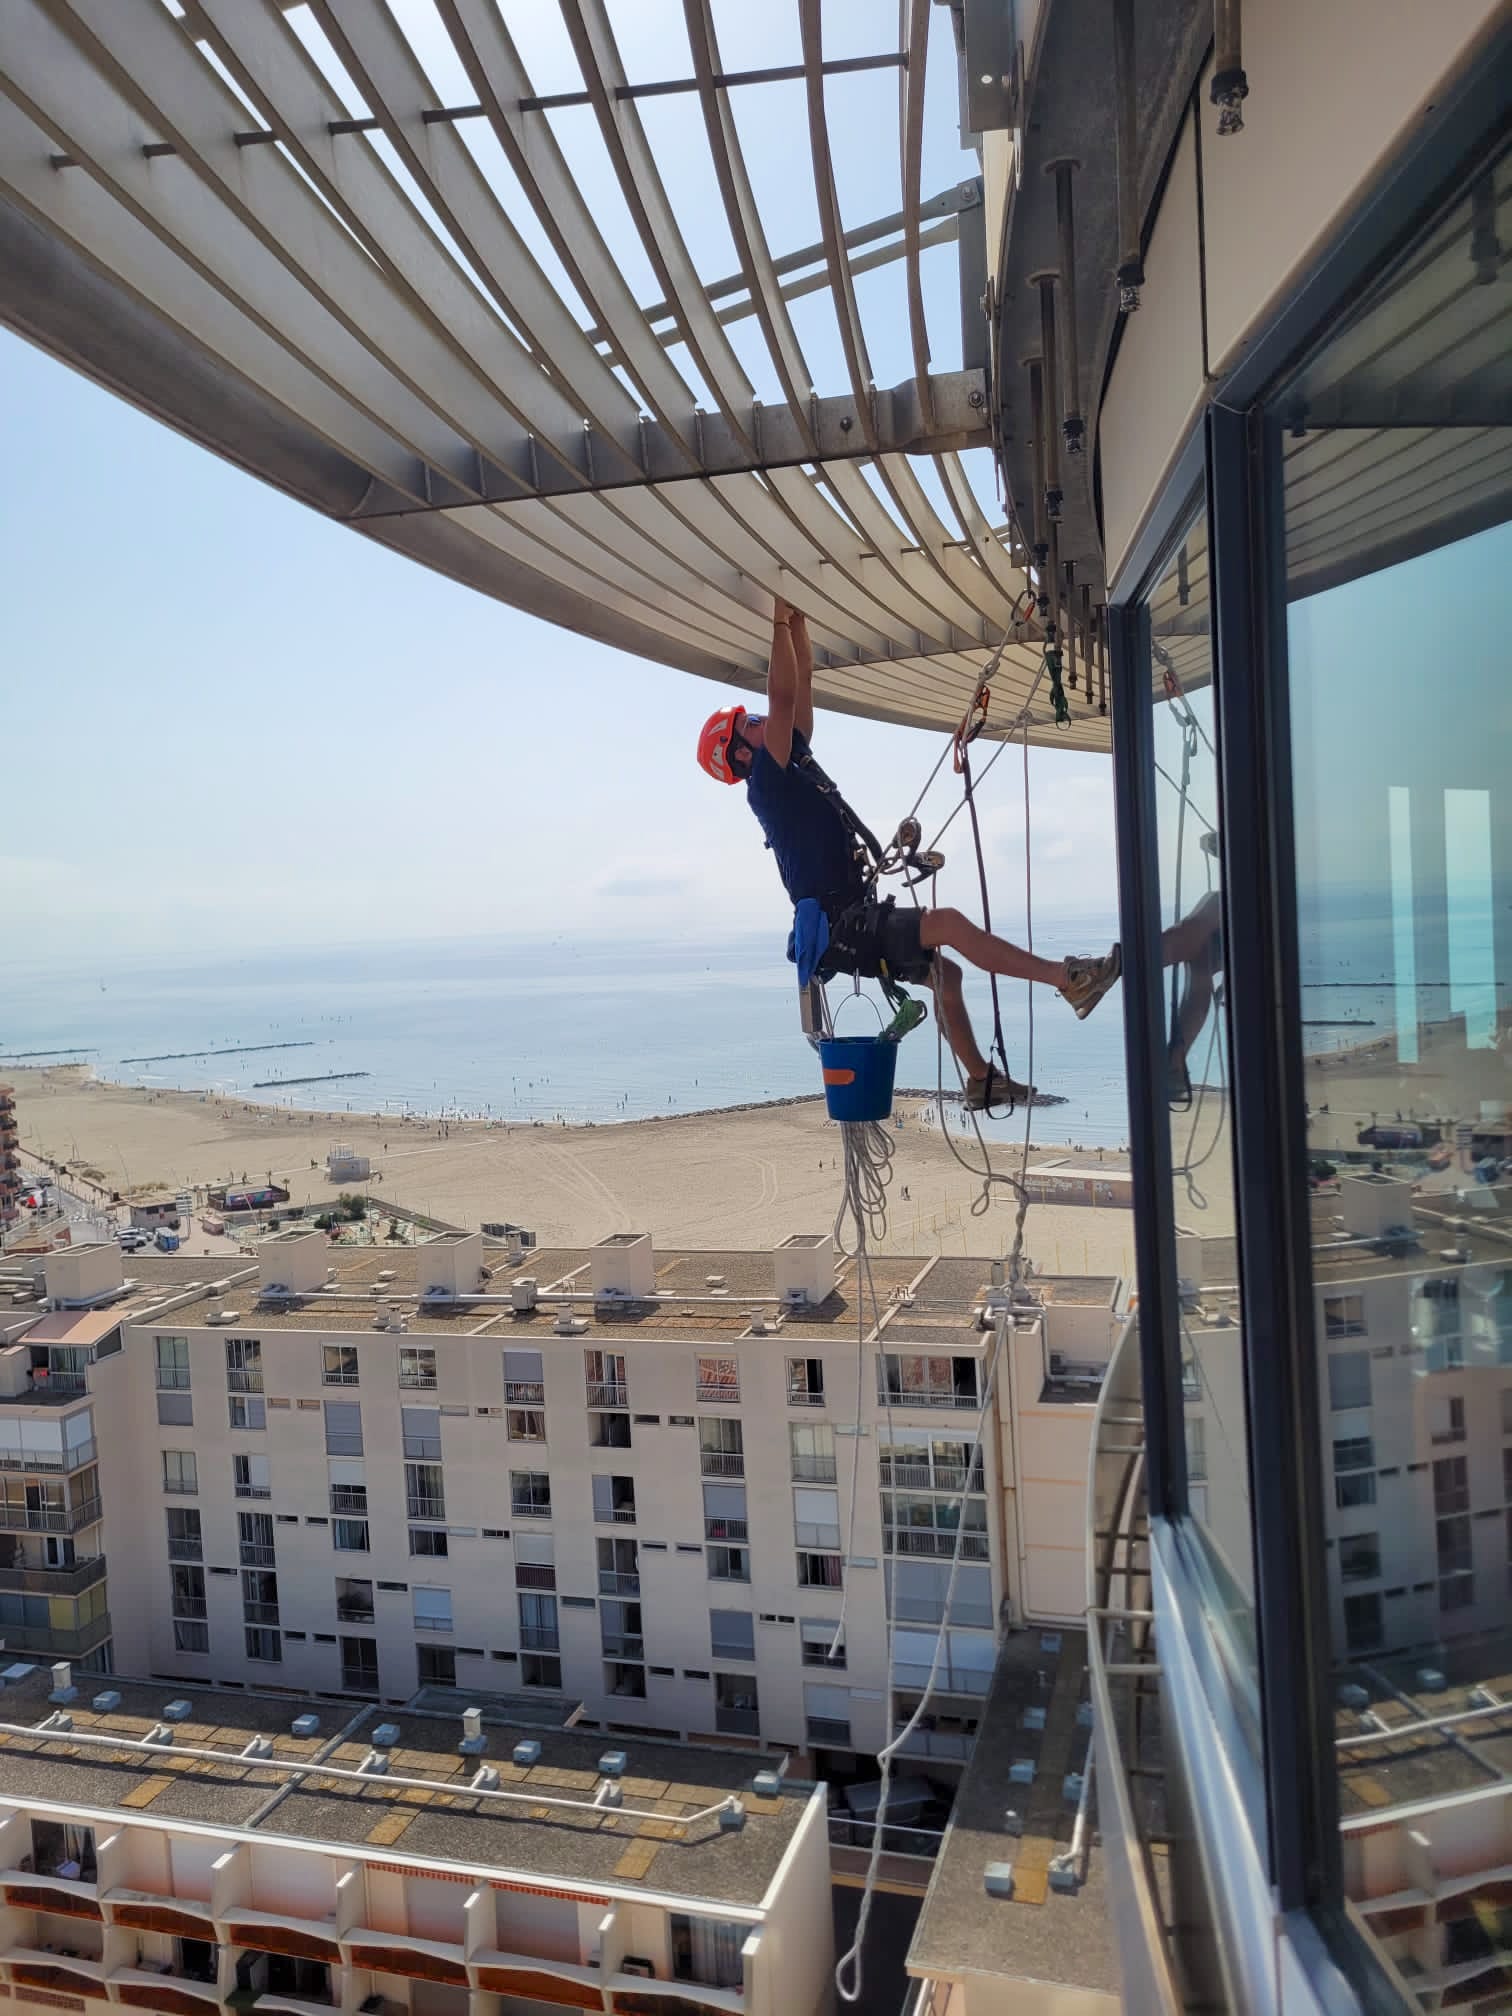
x,y
814,850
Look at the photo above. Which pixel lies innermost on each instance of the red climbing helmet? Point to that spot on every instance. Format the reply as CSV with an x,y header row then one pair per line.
x,y
714,744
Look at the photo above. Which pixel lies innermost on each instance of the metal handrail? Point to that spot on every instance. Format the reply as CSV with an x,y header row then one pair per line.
x,y
721,1462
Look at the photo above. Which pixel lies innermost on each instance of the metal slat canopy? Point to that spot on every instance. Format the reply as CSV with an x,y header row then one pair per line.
x,y
306,266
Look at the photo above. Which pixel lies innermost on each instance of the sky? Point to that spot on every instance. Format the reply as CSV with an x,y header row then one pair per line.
x,y
230,722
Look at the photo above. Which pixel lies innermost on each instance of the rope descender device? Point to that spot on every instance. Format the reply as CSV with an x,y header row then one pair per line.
x,y
973,721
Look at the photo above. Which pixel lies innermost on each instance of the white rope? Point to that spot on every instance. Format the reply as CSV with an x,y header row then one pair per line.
x,y
849,1969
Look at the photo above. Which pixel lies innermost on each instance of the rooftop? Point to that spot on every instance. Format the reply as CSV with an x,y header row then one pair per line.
x,y
663,1839
1375,1775
708,1294
1039,1934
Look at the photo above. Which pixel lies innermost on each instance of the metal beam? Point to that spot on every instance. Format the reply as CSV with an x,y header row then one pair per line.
x,y
959,400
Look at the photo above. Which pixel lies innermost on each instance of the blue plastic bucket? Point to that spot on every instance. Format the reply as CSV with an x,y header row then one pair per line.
x,y
858,1076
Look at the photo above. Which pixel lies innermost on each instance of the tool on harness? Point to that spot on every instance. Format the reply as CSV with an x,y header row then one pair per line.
x,y
1053,673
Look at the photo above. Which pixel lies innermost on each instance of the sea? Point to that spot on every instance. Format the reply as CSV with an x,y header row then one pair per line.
x,y
518,1029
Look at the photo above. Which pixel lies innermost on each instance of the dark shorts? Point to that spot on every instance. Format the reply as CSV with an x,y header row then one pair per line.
x,y
873,938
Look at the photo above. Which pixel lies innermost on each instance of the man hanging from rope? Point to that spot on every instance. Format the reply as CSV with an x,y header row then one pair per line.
x,y
822,851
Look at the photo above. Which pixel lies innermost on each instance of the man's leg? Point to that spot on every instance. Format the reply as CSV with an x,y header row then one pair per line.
x,y
1081,982
984,1086
1196,943
953,928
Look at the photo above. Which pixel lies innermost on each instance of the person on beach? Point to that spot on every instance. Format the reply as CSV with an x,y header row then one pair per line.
x,y
821,865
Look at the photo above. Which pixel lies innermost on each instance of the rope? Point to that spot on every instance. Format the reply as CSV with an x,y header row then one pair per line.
x,y
849,1968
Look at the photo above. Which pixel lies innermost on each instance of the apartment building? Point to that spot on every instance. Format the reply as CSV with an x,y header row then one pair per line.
x,y
672,1490
1412,1290
183,1851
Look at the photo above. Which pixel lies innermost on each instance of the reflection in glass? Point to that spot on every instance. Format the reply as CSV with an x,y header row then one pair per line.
x,y
1397,482
1196,1089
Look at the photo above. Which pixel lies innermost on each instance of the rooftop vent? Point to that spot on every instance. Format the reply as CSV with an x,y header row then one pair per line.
x,y
375,1764
998,1878
106,1703
485,1779
223,1316
1482,1697
63,1689
1351,1696
258,1746
570,1324
178,1711
527,1753
160,1736
732,1818
523,1292
385,1736
387,1274
1021,1771
766,1785
613,1763
804,1268
474,1742
305,1725
1430,1680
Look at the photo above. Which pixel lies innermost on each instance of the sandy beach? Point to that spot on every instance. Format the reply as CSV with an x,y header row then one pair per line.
x,y
747,1178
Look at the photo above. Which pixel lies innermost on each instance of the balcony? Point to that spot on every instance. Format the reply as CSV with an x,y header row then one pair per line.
x,y
619,1646
259,1613
247,1379
800,1396
897,1396
922,1540
524,1393
62,1644
718,1393
613,1583
813,1469
49,1519
737,1721
534,1575
721,1462
354,1610
923,1477
349,1499
256,1554
420,1506
540,1638
531,1508
827,1729
54,1581
725,1529
250,1490
195,1608
608,1393
35,1462
417,1382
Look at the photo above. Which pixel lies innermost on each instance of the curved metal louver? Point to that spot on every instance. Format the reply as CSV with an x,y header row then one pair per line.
x,y
322,281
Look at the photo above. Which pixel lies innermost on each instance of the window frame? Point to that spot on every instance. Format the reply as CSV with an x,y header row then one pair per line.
x,y
1235,448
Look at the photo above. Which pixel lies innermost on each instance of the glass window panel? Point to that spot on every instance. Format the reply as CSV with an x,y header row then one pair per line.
x,y
1397,478
1197,1078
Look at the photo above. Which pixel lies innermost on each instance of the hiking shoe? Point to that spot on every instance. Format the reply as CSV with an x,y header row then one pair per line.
x,y
996,1089
1085,981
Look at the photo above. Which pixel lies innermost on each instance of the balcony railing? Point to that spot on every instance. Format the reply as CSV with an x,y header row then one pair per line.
x,y
828,1729
251,1490
938,1743
67,1644
737,1721
257,1554
173,1378
354,1609
534,1575
259,1613
35,1461
524,1393
612,1582
725,1529
718,1393
244,1379
433,1624
349,1498
924,1477
531,1508
898,1396
816,1654
418,1382
802,1397
49,1518
925,1540
721,1462
423,1448
814,1469
193,1607
417,1506
55,1581
608,1393
540,1638
617,1646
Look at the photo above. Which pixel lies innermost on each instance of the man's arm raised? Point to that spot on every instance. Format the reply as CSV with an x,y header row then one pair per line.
x,y
782,686
803,653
